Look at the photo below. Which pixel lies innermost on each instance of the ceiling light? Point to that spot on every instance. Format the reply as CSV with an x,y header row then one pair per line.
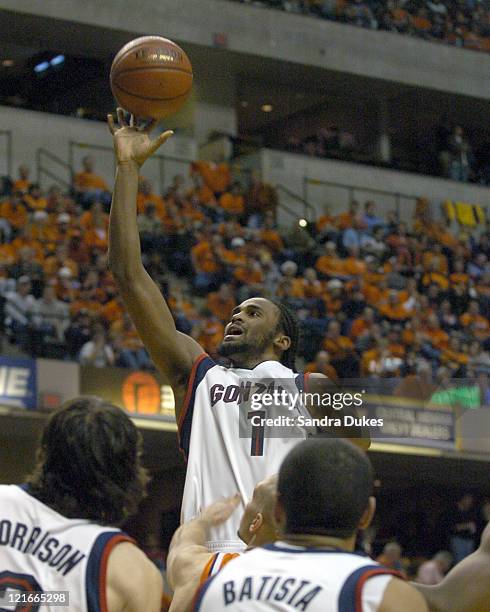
x,y
303,223
41,67
267,108
8,63
58,59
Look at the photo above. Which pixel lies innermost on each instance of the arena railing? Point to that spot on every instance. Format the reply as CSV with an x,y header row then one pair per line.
x,y
162,160
356,192
6,155
56,165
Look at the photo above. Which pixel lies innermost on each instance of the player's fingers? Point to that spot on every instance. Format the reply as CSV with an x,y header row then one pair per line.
x,y
131,121
110,123
120,117
157,143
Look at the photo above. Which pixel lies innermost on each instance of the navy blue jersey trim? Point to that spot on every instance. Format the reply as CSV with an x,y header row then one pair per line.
x,y
201,592
312,549
300,382
348,594
92,579
204,364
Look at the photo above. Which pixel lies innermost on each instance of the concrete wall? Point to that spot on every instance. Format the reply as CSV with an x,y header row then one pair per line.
x,y
290,170
33,130
274,34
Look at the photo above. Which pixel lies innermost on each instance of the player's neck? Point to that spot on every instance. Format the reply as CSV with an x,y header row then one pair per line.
x,y
318,541
249,362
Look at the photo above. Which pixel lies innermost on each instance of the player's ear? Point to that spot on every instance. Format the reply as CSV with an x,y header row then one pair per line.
x,y
282,342
368,515
257,523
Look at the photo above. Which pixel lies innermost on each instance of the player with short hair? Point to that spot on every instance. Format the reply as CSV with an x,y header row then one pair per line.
x,y
189,562
323,499
58,531
260,341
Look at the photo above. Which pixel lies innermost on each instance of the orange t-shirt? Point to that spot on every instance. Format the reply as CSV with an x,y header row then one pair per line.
x,y
216,176
338,348
327,369
358,326
35,203
204,259
86,181
272,239
234,204
112,311
17,218
142,200
330,266
21,185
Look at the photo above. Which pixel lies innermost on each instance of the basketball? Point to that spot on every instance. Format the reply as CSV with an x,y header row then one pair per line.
x,y
151,77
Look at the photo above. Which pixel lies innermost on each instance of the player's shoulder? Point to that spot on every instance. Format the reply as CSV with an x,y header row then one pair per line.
x,y
400,596
485,540
125,560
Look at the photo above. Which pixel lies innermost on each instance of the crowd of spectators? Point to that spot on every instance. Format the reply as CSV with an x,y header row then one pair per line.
x,y
375,297
462,23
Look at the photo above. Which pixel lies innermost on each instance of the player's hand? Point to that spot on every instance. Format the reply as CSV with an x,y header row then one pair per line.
x,y
133,143
220,511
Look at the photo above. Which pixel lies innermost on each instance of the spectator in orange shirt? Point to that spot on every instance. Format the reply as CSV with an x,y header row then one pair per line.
x,y
341,350
393,310
473,318
128,345
34,199
220,303
23,183
260,198
434,260
330,264
95,217
289,269
14,212
436,336
233,201
216,176
60,260
146,195
211,334
269,234
113,310
64,228
362,324
454,356
346,219
435,276
353,266
322,365
43,230
325,225
206,257
311,286
89,186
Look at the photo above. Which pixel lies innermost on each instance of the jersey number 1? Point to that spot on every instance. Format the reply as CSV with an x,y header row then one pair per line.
x,y
257,443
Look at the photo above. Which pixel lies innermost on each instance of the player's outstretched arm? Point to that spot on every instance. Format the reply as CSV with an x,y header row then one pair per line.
x,y
133,582
172,352
466,588
400,596
188,554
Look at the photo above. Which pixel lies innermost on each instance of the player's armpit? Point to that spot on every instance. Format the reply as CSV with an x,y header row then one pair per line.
x,y
400,596
133,582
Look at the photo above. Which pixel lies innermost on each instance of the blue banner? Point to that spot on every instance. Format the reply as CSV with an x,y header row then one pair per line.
x,y
18,383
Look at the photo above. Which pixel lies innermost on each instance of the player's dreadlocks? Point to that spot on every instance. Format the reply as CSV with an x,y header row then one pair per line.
x,y
288,324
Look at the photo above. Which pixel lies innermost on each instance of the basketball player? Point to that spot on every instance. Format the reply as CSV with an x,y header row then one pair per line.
x,y
58,532
466,588
260,341
314,566
189,562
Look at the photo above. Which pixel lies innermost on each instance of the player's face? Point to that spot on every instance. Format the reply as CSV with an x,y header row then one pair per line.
x,y
252,328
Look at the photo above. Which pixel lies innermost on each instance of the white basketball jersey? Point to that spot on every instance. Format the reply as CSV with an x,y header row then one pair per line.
x,y
286,578
220,463
41,551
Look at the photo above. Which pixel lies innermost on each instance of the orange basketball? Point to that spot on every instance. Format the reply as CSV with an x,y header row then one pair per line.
x,y
151,77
